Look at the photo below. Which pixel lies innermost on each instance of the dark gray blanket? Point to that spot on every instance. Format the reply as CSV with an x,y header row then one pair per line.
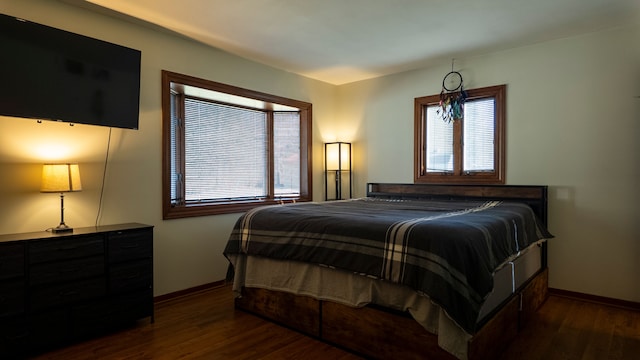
x,y
447,250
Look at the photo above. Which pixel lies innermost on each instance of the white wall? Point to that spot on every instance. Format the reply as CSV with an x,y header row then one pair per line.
x,y
573,122
188,252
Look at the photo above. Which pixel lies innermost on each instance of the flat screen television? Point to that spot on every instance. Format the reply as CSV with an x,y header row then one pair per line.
x,y
52,74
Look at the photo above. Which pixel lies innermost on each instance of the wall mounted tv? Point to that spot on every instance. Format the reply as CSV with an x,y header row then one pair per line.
x,y
52,74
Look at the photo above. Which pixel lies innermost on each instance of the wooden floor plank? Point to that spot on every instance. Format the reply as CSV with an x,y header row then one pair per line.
x,y
626,337
572,337
205,325
543,328
600,340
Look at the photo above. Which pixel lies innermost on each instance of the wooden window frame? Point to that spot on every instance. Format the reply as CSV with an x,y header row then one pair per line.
x,y
458,175
182,210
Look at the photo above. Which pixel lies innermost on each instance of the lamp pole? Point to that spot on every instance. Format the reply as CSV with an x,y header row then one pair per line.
x,y
62,227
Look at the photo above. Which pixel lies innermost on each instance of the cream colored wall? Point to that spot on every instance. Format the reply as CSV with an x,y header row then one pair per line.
x,y
573,123
188,252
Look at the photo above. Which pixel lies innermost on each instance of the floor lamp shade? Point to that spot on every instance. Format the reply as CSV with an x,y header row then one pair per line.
x,y
60,178
337,165
338,156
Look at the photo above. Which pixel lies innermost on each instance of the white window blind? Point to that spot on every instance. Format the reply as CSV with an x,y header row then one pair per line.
x,y
478,135
286,143
174,161
439,149
225,152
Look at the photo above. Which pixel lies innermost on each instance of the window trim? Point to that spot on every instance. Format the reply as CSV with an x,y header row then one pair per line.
x,y
170,211
458,176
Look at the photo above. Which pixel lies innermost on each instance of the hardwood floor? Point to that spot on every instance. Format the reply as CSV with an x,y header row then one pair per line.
x,y
566,328
204,325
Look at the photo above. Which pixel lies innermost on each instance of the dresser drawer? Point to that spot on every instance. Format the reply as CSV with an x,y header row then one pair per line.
x,y
64,249
130,245
91,318
13,337
100,315
48,328
12,297
130,276
68,270
135,305
11,260
66,293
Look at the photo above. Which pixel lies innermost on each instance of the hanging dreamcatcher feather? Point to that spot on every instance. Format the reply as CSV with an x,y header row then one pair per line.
x,y
452,97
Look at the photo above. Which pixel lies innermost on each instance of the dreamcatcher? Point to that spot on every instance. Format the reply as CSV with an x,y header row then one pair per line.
x,y
452,97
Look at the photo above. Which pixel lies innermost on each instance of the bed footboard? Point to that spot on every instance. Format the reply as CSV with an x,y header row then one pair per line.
x,y
381,333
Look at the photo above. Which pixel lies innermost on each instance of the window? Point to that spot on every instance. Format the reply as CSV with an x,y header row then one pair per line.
x,y
228,149
470,150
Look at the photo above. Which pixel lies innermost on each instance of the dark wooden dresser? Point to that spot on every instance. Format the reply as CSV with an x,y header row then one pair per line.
x,y
60,288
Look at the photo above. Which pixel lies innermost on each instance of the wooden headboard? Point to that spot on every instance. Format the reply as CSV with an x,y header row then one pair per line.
x,y
533,195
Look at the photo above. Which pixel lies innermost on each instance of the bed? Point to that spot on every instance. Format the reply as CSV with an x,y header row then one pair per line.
x,y
409,271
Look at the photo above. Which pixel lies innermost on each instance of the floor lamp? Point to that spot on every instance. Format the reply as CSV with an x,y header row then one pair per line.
x,y
337,162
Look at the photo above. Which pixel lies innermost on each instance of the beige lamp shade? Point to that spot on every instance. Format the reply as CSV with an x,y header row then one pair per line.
x,y
338,156
60,178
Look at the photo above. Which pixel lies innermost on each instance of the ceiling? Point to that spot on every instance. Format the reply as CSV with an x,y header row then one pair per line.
x,y
342,41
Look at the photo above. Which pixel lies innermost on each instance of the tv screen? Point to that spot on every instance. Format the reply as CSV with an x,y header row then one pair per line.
x,y
52,74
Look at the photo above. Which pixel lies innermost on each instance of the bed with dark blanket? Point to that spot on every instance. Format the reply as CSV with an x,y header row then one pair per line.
x,y
445,248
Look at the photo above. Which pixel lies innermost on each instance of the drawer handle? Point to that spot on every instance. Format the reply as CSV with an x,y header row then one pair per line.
x,y
133,276
68,293
12,338
67,248
69,270
131,246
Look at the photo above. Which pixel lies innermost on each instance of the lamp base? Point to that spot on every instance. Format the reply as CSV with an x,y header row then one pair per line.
x,y
62,228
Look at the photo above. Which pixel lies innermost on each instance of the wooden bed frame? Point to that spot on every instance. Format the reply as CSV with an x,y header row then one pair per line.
x,y
376,332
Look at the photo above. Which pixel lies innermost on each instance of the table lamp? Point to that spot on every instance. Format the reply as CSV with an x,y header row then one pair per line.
x,y
61,178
